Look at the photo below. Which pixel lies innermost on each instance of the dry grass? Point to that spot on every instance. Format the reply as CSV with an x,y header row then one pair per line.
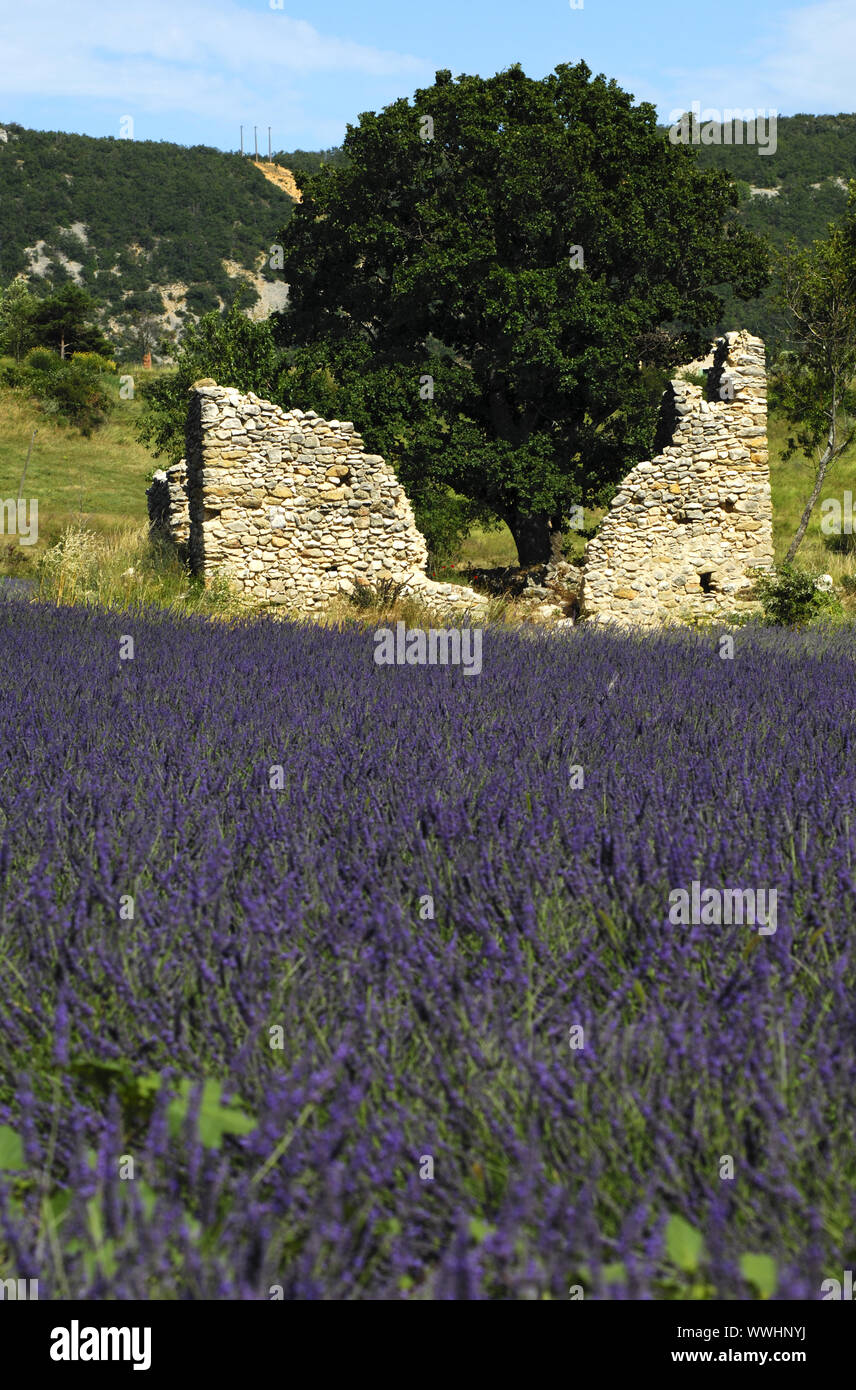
x,y
127,567
124,568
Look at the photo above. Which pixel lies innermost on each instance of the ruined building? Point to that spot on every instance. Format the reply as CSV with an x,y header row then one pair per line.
x,y
293,511
686,528
290,508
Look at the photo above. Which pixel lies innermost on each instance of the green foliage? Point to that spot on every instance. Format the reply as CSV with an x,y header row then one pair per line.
x,y
817,289
189,209
9,371
202,299
65,321
790,597
684,1275
455,259
231,349
808,149
760,1271
100,1252
310,161
685,1250
154,213
684,1245
71,389
137,1095
11,1150
95,360
99,1257
40,359
62,322
17,308
444,518
145,302
814,157
215,1119
480,1229
813,385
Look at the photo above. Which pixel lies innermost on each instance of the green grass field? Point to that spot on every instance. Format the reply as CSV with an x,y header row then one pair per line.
x,y
100,480
100,483
791,485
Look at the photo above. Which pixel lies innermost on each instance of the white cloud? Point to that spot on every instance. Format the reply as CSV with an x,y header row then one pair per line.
x,y
199,57
806,64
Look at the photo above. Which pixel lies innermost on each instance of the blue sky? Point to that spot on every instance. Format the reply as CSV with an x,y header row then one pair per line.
x,y
194,70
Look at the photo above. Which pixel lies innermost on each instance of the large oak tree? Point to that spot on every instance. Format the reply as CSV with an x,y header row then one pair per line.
x,y
477,286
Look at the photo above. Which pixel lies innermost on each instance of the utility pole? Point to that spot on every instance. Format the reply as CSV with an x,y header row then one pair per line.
x,y
242,139
256,133
270,158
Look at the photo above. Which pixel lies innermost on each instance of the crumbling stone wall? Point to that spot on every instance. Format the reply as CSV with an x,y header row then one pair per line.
x,y
167,502
290,508
685,528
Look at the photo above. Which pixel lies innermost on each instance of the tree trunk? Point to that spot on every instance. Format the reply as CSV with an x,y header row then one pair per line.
x,y
828,455
531,536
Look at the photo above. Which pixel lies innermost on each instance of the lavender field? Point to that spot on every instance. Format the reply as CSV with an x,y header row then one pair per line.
x,y
325,980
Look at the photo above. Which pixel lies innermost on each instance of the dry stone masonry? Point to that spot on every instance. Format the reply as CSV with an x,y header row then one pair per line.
x,y
167,500
290,508
686,528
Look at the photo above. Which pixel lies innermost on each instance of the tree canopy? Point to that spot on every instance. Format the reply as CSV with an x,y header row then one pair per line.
x,y
233,349
477,285
64,321
814,385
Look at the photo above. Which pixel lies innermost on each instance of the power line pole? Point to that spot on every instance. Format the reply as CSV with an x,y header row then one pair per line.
x,y
256,133
242,139
270,157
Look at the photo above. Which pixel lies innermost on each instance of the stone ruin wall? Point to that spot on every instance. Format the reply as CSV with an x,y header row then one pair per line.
x,y
293,511
169,512
290,508
686,527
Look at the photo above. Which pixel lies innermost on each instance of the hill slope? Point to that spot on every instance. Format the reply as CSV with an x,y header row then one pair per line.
x,y
158,232
150,229
794,192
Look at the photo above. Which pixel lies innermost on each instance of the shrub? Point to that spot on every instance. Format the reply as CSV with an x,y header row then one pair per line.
x,y
69,388
42,359
10,372
444,520
790,597
95,361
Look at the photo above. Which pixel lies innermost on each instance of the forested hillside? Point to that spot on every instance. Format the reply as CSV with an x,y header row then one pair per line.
x,y
794,192
151,229
159,233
